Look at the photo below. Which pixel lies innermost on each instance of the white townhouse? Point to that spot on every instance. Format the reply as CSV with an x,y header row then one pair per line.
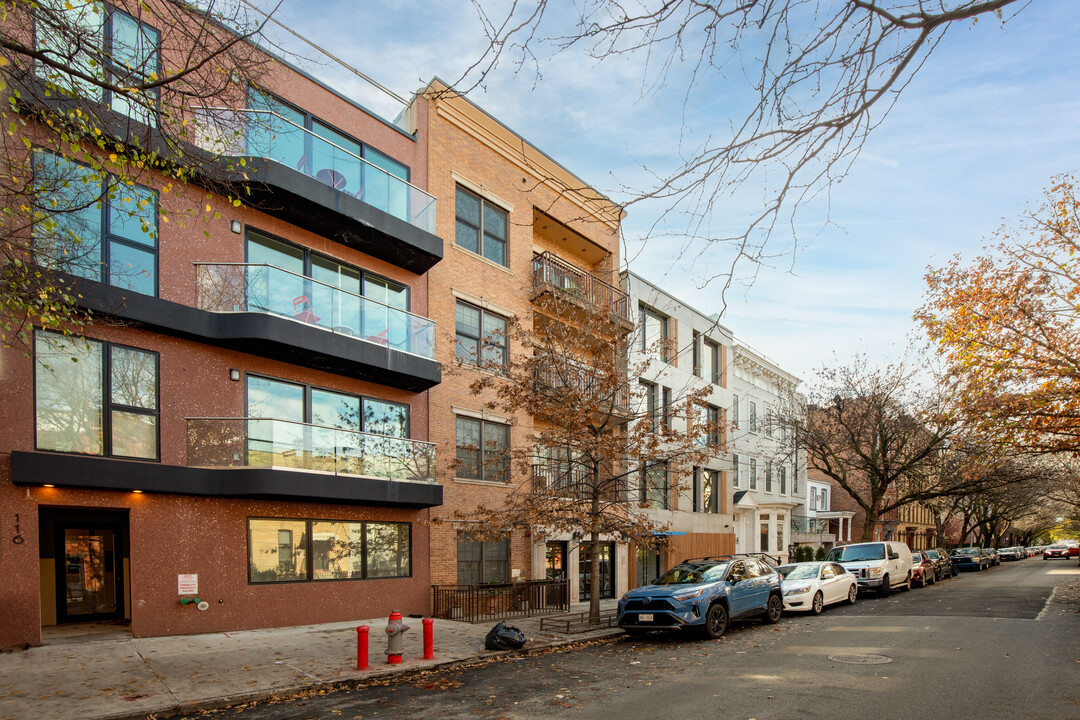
x,y
812,523
697,355
768,476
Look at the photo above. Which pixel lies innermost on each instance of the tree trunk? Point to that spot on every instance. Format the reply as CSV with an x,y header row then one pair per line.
x,y
594,543
870,522
594,577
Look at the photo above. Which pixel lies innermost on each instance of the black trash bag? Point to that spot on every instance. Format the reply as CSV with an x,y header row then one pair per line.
x,y
504,637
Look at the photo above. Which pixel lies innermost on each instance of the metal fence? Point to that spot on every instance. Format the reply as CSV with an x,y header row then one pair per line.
x,y
499,601
549,269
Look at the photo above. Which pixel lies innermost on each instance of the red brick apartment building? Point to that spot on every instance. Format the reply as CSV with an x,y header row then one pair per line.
x,y
912,524
248,421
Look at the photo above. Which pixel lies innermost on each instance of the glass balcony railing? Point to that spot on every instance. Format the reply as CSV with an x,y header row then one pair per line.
x,y
261,442
814,526
261,133
245,287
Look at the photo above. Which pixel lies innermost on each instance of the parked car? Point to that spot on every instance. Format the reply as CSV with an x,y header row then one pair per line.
x,y
813,585
1010,553
991,556
923,570
704,594
942,563
880,565
1055,551
969,558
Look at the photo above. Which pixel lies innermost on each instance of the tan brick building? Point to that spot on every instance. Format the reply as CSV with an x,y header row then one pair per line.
x,y
512,217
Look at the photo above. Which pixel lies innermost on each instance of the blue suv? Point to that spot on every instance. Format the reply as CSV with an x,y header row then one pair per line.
x,y
704,594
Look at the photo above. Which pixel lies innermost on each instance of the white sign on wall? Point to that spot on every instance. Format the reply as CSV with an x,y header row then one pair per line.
x,y
187,584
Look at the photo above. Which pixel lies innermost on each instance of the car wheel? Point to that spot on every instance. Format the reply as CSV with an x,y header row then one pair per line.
x,y
907,584
932,579
954,572
885,588
716,621
818,604
852,593
774,609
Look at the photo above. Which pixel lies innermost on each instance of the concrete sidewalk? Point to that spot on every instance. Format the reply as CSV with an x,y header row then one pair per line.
x,y
99,675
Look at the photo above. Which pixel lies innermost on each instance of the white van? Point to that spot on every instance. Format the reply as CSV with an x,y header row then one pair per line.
x,y
881,565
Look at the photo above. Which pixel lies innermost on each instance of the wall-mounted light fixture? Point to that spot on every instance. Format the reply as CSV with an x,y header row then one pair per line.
x,y
236,226
234,374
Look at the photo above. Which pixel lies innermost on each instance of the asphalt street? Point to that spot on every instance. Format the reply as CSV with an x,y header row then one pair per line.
x,y
993,644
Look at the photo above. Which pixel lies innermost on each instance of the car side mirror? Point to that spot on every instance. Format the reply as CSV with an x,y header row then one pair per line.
x,y
894,556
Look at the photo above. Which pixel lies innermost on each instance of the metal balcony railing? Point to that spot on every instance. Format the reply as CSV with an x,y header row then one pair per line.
x,y
549,269
266,442
249,132
562,377
247,287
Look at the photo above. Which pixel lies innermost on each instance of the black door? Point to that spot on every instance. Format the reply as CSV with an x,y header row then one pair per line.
x,y
607,571
89,570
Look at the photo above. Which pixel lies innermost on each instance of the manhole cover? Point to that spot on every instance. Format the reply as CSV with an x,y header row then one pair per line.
x,y
861,659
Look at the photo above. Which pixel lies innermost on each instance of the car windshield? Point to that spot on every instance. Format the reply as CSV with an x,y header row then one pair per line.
x,y
798,572
690,574
916,558
932,554
855,553
966,551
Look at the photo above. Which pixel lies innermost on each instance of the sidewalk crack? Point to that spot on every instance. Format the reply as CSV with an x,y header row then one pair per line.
x,y
160,678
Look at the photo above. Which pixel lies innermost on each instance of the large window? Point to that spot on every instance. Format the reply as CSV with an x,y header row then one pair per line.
x,y
753,417
94,226
104,403
708,419
710,491
768,475
278,132
735,471
481,336
285,550
654,486
479,563
107,44
753,474
483,450
281,400
783,479
293,293
654,333
735,411
481,227
652,404
710,361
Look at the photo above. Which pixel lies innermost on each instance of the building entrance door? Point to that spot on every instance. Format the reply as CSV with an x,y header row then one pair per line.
x,y
86,549
90,575
555,560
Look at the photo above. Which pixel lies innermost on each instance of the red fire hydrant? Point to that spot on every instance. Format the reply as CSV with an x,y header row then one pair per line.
x,y
394,640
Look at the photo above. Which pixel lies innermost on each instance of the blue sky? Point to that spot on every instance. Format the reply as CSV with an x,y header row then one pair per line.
x,y
992,116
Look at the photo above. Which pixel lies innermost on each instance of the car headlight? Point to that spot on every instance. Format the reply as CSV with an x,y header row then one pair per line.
x,y
688,594
797,590
873,572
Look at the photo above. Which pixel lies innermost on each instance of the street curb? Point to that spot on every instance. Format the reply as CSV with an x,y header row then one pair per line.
x,y
220,702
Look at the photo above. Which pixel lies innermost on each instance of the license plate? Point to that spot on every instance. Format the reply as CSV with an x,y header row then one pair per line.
x,y
645,617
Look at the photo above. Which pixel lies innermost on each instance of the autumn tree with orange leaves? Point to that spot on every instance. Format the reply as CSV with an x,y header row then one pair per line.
x,y
1007,326
600,455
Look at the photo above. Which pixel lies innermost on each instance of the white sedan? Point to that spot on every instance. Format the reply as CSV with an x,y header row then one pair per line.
x,y
813,585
